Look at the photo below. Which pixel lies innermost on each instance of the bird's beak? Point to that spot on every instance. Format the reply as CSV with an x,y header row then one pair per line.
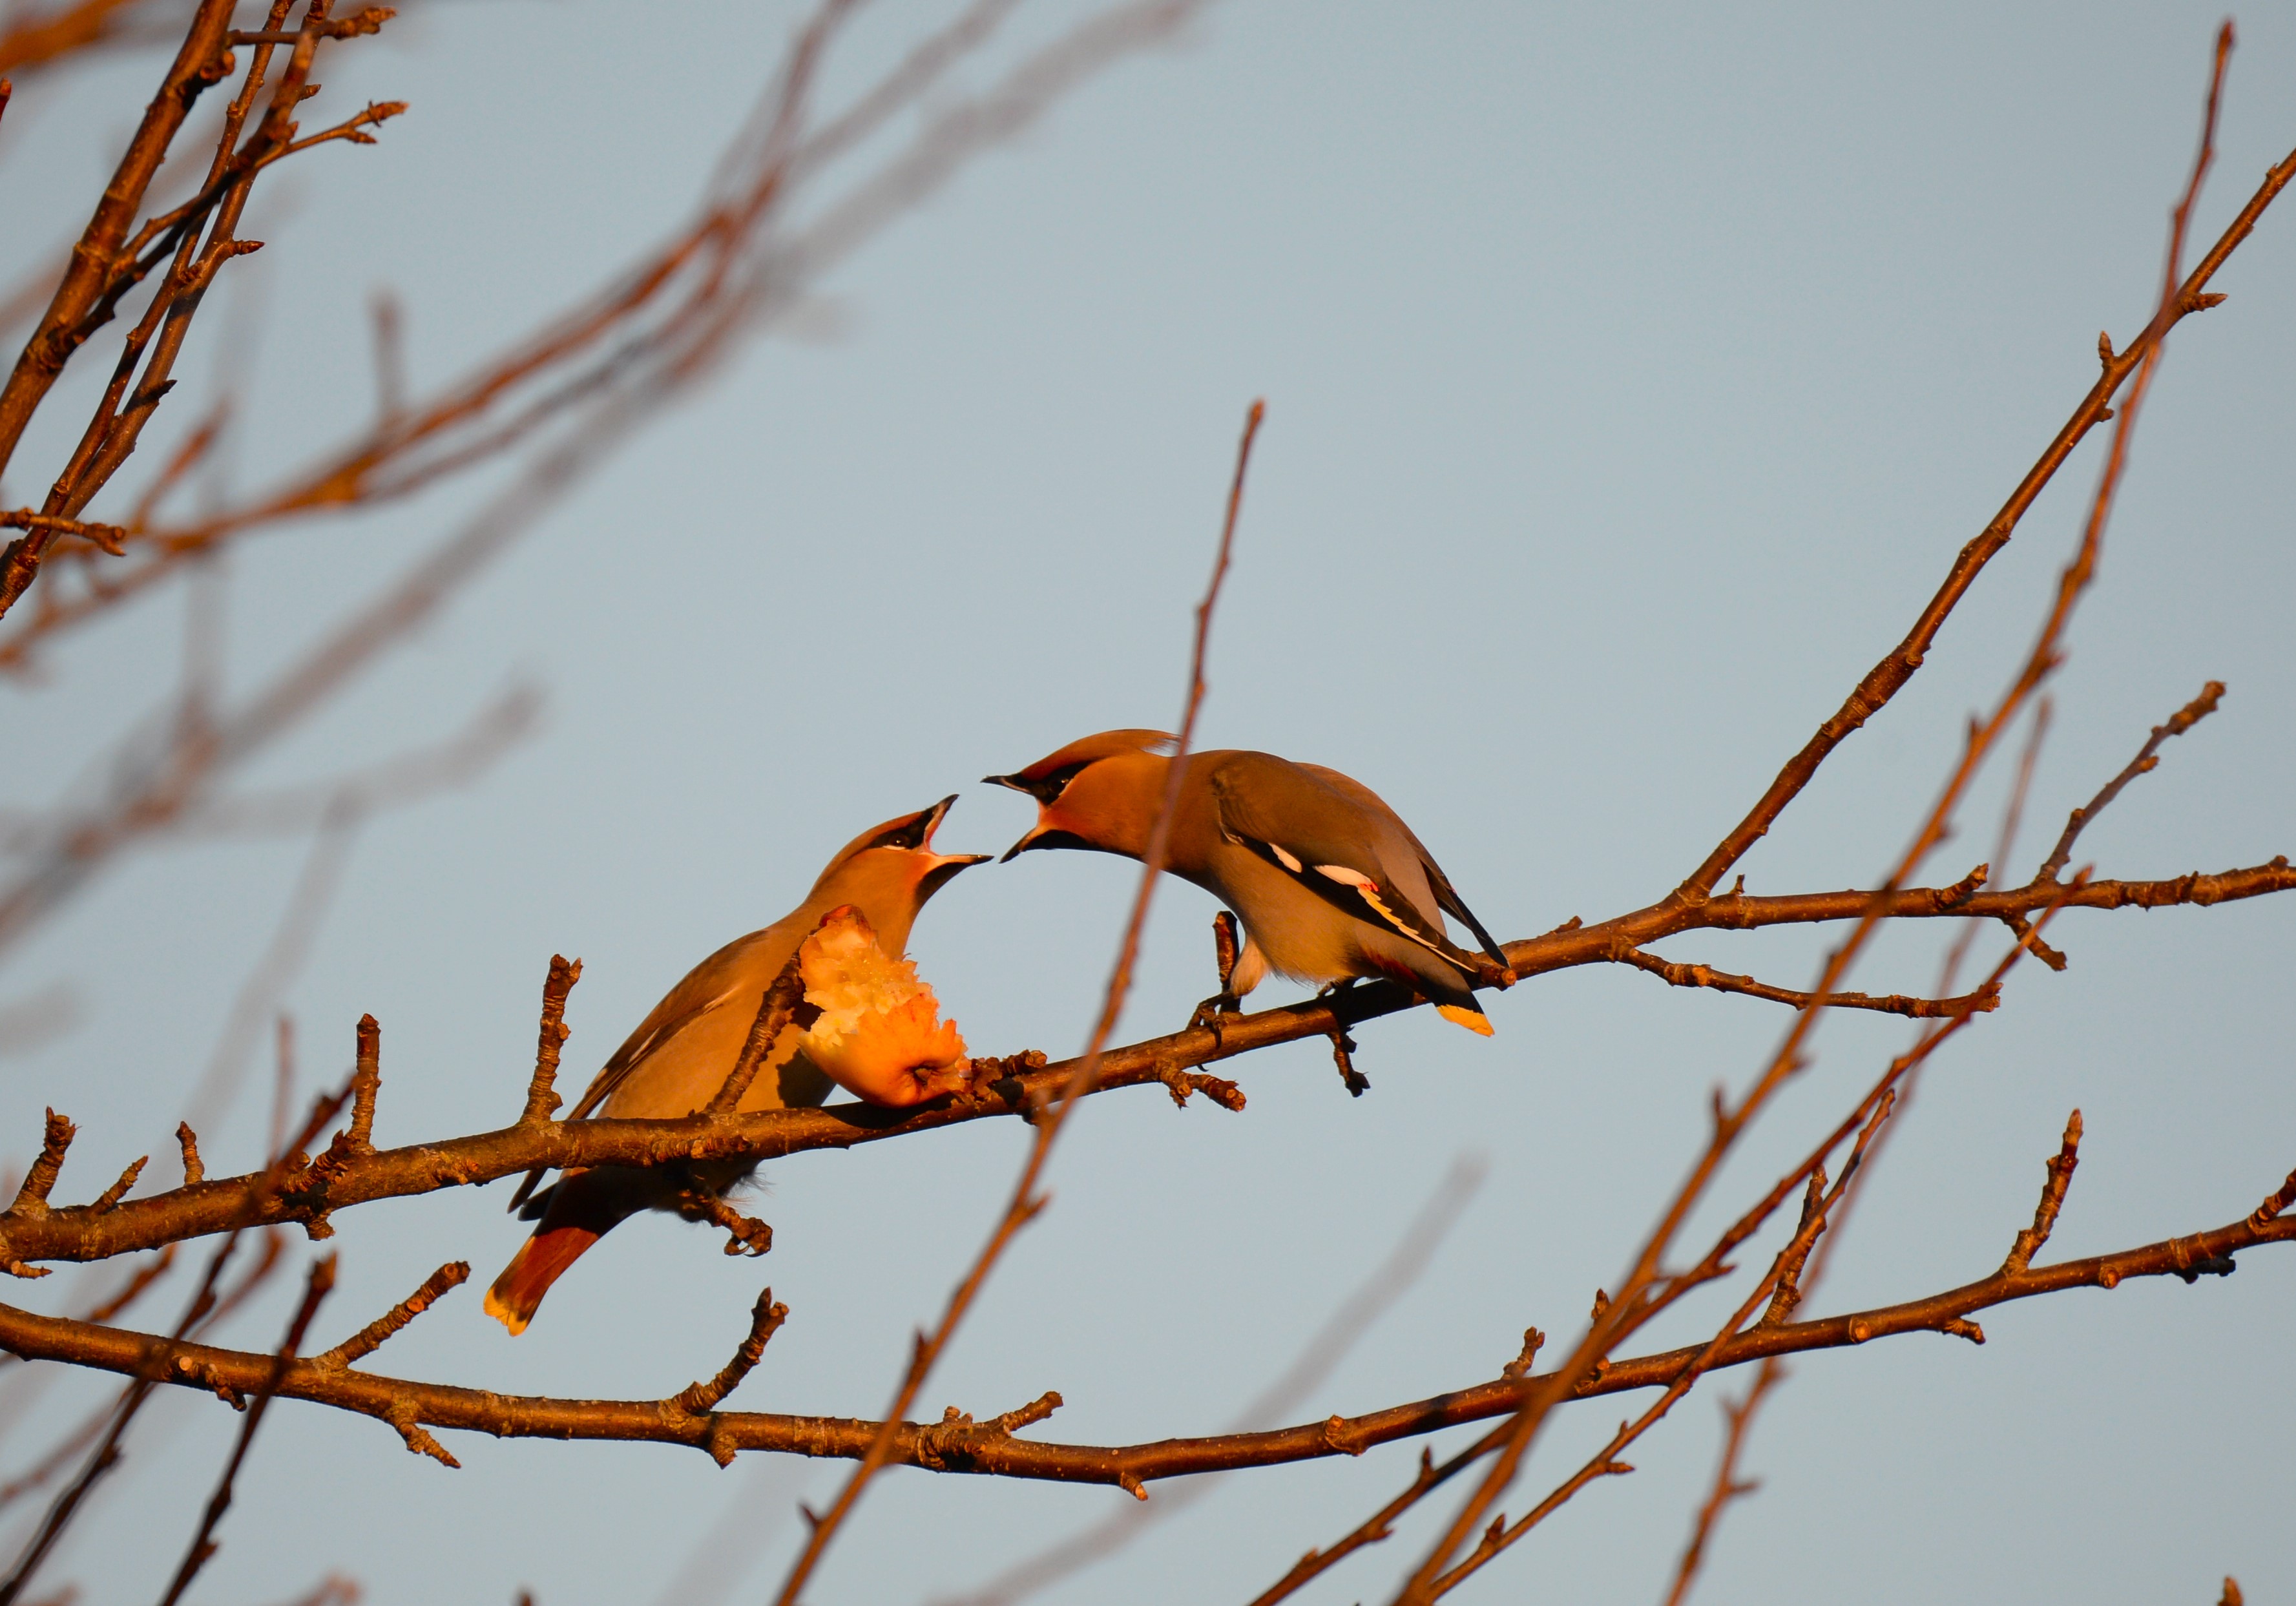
x,y
1045,795
1044,835
1020,847
941,866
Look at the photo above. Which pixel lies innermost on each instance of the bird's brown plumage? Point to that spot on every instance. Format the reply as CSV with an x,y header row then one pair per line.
x,y
681,1052
1329,882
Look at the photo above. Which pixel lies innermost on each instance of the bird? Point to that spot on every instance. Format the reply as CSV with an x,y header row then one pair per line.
x,y
682,1052
1329,882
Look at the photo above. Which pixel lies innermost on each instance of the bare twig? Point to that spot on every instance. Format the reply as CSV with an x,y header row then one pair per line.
x,y
542,1098
1394,1276
698,1399
1888,677
2030,1239
370,1338
1894,1004
1026,1202
784,998
203,1544
205,1309
1435,1574
2184,719
1737,1416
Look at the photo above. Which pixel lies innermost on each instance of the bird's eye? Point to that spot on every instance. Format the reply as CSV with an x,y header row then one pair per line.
x,y
1048,787
908,835
1045,788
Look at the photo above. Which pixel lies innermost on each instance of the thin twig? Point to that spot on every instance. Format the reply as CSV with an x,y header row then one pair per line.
x,y
2184,719
1606,1330
1026,1202
784,998
1388,1283
370,1338
203,1543
700,1398
542,1099
204,1309
1722,981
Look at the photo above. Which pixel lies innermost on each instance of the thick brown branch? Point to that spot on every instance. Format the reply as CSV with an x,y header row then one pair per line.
x,y
987,1448
212,1207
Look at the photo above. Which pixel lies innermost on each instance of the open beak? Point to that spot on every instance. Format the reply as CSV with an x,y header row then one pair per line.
x,y
942,867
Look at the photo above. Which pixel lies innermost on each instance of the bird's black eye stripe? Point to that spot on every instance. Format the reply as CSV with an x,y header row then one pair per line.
x,y
909,833
1047,787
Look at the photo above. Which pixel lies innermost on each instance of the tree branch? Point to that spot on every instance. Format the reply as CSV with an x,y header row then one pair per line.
x,y
987,1448
1887,679
1981,1002
2184,719
203,1208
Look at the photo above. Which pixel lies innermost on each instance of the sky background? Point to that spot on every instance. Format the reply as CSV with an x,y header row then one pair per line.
x,y
1633,375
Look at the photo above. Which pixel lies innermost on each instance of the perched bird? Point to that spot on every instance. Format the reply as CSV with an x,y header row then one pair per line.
x,y
681,1053
1330,884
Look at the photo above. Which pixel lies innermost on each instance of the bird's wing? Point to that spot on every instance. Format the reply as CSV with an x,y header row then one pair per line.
x,y
1446,897
706,986
1319,835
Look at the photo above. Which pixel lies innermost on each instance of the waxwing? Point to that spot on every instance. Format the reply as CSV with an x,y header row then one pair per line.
x,y
1330,884
682,1052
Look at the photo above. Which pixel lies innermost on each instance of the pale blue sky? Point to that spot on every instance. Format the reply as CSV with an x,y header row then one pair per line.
x,y
1633,375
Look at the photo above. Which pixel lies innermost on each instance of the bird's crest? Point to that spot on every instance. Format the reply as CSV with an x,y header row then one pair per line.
x,y
1048,777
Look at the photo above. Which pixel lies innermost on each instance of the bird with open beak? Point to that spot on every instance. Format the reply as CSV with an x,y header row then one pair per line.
x,y
682,1052
1329,882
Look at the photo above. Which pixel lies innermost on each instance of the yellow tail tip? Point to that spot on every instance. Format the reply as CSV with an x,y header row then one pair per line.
x,y
1474,1020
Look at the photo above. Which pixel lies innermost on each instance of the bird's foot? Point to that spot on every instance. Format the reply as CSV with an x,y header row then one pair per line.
x,y
1343,1048
1212,1013
745,1235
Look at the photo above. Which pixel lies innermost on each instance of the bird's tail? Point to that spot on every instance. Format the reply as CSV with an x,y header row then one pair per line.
x,y
517,1293
1469,1014
580,1208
